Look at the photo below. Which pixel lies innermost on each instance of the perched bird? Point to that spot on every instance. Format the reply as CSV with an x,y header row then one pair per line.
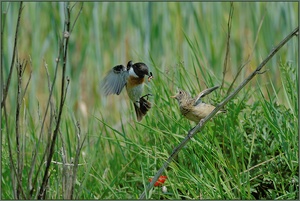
x,y
193,108
133,77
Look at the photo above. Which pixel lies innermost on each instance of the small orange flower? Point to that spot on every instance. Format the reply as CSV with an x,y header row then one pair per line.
x,y
160,180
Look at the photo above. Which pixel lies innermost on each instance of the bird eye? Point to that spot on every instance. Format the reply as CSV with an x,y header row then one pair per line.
x,y
180,92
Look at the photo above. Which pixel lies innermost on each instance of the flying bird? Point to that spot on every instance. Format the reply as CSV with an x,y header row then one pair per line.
x,y
133,78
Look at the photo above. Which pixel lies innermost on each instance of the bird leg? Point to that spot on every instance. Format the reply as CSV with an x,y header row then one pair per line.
x,y
145,105
201,121
190,132
145,96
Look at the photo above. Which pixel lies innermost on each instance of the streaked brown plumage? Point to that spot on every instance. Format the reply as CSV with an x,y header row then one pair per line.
x,y
193,108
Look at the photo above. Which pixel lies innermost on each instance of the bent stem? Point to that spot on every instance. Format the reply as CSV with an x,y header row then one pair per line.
x,y
200,125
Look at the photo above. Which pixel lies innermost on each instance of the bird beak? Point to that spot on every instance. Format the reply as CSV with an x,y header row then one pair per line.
x,y
173,96
150,77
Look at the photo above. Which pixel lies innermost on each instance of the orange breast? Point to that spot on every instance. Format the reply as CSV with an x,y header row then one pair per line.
x,y
134,81
134,88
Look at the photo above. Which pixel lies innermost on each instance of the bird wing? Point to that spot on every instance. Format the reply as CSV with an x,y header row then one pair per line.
x,y
115,80
204,93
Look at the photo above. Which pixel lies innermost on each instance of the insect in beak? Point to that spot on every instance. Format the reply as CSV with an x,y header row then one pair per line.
x,y
150,77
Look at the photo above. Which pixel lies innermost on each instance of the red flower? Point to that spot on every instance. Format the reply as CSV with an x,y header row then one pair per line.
x,y
160,180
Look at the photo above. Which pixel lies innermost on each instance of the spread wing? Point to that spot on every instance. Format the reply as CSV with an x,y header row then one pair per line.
x,y
204,93
115,80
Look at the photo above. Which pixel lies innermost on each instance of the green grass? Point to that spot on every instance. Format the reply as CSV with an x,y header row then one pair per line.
x,y
251,152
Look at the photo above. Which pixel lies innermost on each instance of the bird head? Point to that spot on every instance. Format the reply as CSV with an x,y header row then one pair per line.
x,y
139,70
181,95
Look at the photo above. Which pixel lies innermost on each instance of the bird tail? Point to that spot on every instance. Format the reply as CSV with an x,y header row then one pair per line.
x,y
145,105
138,112
141,110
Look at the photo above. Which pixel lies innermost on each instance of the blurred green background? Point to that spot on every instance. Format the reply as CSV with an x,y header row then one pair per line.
x,y
111,33
184,45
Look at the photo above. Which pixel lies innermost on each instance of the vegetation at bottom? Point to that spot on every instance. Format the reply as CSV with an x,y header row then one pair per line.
x,y
249,152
